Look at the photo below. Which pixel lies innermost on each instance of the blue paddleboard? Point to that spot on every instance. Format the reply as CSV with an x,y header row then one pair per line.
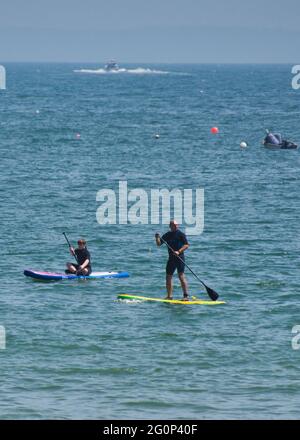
x,y
53,276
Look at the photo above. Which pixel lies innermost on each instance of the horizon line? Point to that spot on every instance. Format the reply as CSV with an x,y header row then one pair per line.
x,y
278,63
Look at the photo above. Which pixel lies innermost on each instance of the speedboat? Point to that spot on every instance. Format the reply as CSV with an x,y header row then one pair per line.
x,y
111,66
285,145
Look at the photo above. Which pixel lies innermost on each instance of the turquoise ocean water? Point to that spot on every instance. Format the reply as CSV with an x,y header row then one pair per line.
x,y
72,350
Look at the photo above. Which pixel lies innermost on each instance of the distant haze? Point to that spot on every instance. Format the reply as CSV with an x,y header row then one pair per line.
x,y
170,31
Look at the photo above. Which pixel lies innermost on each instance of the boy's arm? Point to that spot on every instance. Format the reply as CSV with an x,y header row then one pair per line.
x,y
157,239
85,264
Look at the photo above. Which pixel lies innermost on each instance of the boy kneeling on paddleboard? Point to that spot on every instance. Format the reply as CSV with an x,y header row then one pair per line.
x,y
83,258
177,243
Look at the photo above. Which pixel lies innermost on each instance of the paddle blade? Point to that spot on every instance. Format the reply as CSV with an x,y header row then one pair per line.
x,y
212,293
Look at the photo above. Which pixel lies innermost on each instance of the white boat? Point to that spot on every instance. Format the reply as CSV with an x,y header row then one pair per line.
x,y
112,66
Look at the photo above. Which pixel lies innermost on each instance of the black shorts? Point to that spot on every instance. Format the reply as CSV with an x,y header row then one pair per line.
x,y
88,268
174,264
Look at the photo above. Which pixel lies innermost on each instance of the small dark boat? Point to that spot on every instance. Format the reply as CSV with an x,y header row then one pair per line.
x,y
285,145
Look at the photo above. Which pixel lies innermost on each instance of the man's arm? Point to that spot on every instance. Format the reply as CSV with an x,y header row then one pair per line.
x,y
182,249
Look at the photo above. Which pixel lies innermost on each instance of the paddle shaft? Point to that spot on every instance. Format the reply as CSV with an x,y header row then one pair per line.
x,y
64,234
211,293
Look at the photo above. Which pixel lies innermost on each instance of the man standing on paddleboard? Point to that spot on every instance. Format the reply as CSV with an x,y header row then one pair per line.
x,y
83,258
177,243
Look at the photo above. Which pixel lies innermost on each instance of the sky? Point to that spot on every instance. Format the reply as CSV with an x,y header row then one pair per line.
x,y
150,31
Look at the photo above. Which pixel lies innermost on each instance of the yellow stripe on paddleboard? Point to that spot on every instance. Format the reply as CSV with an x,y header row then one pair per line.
x,y
171,301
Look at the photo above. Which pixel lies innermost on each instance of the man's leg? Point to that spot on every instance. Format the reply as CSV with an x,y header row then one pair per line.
x,y
184,285
169,286
170,268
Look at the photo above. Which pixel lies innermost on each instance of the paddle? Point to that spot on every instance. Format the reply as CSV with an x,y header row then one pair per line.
x,y
211,293
73,253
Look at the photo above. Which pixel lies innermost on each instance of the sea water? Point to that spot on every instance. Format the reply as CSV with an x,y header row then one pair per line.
x,y
71,350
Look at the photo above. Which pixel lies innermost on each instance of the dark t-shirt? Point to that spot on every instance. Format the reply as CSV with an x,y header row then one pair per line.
x,y
82,255
176,240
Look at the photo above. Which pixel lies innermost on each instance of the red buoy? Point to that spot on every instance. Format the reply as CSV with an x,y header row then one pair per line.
x,y
214,130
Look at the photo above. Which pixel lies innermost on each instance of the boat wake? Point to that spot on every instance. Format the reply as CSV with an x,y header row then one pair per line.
x,y
137,71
